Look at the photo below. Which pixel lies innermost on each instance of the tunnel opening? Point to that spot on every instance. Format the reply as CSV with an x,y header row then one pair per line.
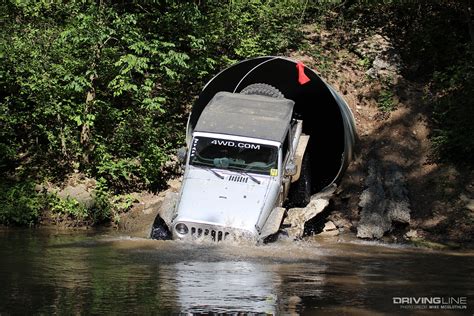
x,y
326,116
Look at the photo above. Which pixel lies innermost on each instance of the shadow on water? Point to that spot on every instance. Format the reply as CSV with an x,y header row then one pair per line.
x,y
77,273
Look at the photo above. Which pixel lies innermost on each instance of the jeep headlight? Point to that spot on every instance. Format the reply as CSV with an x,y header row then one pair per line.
x,y
181,229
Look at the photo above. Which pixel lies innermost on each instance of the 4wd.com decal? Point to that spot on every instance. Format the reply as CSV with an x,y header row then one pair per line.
x,y
223,142
230,143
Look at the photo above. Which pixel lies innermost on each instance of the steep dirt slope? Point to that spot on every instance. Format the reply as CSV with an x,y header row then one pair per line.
x,y
392,117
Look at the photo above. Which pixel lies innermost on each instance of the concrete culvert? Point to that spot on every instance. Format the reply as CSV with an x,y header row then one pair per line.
x,y
326,116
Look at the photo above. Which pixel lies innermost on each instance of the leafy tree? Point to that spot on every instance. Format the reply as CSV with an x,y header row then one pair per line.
x,y
105,87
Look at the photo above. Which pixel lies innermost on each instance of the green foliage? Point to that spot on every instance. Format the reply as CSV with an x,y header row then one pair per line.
x,y
262,27
99,212
365,63
385,100
68,207
120,204
102,206
104,87
21,204
453,116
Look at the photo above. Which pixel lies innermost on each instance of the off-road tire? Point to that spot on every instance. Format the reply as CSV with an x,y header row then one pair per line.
x,y
160,230
300,191
264,90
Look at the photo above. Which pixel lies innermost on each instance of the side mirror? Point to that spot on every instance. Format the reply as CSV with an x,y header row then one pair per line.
x,y
290,169
181,154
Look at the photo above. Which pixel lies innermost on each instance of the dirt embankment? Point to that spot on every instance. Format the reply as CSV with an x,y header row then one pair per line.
x,y
392,172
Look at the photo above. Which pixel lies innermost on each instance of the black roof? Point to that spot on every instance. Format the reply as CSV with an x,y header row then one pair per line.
x,y
246,115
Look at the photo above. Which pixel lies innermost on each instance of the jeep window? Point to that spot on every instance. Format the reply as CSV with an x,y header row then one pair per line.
x,y
233,155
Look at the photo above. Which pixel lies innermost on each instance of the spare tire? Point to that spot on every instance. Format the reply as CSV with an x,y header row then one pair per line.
x,y
263,89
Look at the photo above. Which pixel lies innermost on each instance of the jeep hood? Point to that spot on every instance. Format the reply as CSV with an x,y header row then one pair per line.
x,y
231,202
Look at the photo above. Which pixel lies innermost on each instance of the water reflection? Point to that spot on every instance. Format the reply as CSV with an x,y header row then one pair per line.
x,y
223,286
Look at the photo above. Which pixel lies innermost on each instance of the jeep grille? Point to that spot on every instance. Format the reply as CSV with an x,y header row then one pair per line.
x,y
213,233
238,179
209,233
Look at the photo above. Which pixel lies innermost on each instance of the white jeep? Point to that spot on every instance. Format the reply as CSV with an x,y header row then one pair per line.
x,y
246,159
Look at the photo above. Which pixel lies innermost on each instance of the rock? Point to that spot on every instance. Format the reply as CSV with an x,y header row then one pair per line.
x,y
329,226
152,204
386,61
331,233
175,184
385,200
463,197
172,167
373,226
167,207
381,64
297,217
293,300
470,205
398,205
339,220
372,46
79,192
139,220
77,186
384,67
470,188
412,234
467,201
329,230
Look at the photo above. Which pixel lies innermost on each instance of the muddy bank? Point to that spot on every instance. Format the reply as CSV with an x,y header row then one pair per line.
x,y
139,220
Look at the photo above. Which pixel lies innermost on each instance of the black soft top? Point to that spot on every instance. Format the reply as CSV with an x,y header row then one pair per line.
x,y
246,115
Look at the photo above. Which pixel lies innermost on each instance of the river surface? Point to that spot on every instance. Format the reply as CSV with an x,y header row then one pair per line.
x,y
90,272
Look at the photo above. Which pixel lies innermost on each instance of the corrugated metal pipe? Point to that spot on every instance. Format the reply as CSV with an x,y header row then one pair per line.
x,y
326,116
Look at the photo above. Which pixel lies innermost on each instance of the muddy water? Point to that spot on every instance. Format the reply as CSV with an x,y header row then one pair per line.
x,y
49,272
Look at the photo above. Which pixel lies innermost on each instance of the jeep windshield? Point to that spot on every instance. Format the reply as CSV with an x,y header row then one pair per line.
x,y
234,155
